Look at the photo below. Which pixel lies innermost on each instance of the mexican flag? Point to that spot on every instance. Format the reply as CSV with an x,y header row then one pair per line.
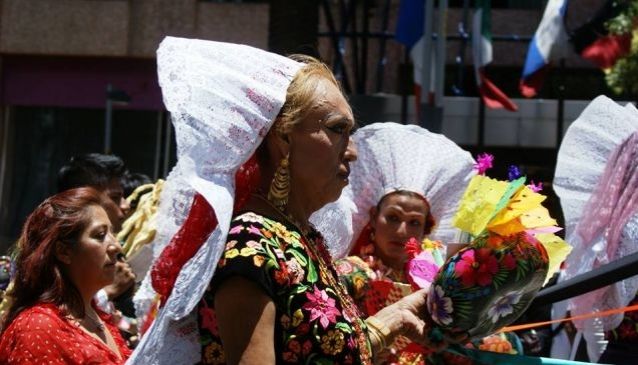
x,y
492,96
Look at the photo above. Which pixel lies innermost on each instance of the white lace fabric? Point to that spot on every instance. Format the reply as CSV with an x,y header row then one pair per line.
x,y
582,158
223,99
393,156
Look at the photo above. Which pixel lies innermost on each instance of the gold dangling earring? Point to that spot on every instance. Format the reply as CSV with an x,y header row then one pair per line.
x,y
280,185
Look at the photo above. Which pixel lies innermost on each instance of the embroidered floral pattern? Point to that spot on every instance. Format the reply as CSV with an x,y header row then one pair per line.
x,y
311,324
321,307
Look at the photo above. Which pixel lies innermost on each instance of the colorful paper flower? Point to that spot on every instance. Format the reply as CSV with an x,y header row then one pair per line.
x,y
421,270
483,163
477,266
440,306
535,187
504,305
513,173
321,307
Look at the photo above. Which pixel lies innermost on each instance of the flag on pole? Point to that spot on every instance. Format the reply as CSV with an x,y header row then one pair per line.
x,y
549,42
492,96
409,32
410,22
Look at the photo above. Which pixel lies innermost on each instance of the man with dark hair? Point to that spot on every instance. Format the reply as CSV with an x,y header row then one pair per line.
x,y
103,172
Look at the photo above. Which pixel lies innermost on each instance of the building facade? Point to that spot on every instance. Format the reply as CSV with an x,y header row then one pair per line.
x,y
57,58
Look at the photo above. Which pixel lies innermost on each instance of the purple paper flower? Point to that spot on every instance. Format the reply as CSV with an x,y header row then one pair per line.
x,y
513,173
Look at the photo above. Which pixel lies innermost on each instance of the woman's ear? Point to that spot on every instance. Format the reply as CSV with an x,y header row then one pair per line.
x,y
373,217
280,141
63,253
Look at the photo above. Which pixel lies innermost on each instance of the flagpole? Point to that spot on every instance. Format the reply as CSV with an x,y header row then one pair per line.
x,y
460,58
440,54
560,118
426,71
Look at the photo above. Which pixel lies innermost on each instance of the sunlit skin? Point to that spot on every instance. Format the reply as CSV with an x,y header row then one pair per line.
x,y
399,218
90,264
320,151
120,207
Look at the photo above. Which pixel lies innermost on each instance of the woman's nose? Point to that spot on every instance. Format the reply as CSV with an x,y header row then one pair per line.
x,y
402,230
114,247
351,150
125,206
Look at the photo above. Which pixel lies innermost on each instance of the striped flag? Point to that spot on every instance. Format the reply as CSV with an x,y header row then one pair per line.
x,y
409,32
492,96
549,42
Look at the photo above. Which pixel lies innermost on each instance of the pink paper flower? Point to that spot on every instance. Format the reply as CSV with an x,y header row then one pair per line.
x,y
477,266
321,307
421,270
483,163
535,187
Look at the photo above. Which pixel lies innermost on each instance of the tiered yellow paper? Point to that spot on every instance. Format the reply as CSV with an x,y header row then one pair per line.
x,y
479,212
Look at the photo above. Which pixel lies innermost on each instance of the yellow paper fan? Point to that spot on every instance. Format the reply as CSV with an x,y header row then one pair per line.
x,y
557,251
524,200
478,203
508,228
537,217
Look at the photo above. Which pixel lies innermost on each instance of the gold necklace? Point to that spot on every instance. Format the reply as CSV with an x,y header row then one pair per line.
x,y
99,325
96,321
323,259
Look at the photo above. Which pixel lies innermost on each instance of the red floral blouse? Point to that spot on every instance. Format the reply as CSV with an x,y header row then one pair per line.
x,y
42,335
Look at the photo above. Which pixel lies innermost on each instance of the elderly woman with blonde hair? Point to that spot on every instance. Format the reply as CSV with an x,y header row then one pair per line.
x,y
263,142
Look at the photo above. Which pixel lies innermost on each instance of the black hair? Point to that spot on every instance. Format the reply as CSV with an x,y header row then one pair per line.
x,y
131,181
92,169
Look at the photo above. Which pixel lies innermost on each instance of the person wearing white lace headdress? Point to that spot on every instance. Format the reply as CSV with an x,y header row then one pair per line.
x,y
597,181
406,184
398,157
259,280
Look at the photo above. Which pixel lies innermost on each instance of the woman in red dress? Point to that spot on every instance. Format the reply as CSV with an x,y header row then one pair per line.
x,y
67,252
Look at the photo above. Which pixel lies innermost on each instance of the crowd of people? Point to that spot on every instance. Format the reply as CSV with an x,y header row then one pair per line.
x,y
286,235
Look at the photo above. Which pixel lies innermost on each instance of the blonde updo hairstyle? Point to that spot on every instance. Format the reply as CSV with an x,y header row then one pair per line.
x,y
301,93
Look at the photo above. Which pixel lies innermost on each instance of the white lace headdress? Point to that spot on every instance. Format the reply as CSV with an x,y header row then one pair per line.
x,y
393,156
223,99
582,159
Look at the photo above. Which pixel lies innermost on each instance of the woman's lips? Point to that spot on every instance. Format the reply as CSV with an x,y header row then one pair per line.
x,y
398,243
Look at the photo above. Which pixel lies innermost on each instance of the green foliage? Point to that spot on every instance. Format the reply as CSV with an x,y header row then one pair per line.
x,y
622,78
625,21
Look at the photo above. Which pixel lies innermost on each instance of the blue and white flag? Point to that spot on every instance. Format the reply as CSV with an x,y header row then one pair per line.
x,y
549,42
